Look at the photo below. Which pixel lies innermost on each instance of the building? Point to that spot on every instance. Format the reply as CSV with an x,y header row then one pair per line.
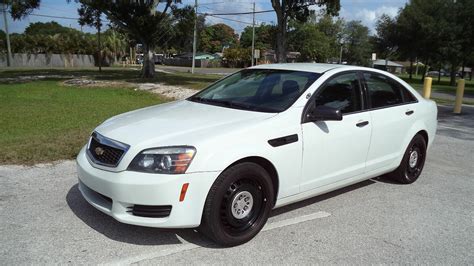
x,y
199,56
388,65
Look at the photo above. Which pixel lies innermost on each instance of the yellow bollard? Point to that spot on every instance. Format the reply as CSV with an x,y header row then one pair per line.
x,y
459,96
427,87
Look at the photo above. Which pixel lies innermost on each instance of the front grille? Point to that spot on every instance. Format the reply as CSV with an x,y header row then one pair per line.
x,y
105,151
150,211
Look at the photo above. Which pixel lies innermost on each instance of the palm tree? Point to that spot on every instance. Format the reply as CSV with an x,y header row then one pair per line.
x,y
115,44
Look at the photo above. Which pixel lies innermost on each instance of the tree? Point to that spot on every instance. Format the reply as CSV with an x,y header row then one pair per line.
x,y
141,21
183,27
386,38
264,37
298,10
115,44
438,32
237,57
465,18
320,42
46,28
3,42
357,43
21,9
91,15
215,37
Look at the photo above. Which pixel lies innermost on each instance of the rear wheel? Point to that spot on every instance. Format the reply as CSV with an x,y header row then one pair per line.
x,y
238,204
412,163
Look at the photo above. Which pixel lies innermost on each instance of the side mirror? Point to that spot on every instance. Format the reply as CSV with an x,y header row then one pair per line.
x,y
323,113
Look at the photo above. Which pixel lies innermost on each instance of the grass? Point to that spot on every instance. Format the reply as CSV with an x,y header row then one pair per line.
x,y
44,120
442,86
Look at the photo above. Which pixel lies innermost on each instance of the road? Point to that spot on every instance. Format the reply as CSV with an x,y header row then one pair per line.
x,y
217,71
45,220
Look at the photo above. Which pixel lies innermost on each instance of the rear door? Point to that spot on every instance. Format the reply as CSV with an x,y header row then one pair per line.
x,y
336,150
393,112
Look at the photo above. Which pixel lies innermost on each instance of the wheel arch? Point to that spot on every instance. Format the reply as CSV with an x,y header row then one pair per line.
x,y
267,165
418,128
424,134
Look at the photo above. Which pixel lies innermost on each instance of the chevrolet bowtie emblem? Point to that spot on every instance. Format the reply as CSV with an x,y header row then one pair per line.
x,y
99,151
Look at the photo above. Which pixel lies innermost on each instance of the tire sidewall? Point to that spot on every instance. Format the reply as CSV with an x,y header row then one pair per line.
x,y
212,216
420,142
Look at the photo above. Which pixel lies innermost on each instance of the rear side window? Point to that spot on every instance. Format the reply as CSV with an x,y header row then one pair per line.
x,y
341,92
407,96
382,91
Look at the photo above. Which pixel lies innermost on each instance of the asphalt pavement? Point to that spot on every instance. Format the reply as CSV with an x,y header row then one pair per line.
x,y
45,220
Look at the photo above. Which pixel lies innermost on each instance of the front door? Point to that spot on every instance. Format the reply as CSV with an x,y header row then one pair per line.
x,y
336,150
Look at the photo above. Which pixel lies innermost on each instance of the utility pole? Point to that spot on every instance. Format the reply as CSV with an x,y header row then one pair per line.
x,y
100,47
340,55
253,35
9,51
195,34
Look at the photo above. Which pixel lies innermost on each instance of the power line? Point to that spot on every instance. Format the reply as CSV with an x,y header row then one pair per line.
x,y
49,16
235,20
213,3
60,17
241,13
212,9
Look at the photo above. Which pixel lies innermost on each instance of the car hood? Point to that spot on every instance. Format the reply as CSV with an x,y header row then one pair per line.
x,y
177,123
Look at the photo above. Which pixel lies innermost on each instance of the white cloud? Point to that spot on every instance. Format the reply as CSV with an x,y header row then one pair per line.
x,y
368,17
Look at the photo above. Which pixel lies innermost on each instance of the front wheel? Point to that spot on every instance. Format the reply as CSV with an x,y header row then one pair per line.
x,y
412,163
238,204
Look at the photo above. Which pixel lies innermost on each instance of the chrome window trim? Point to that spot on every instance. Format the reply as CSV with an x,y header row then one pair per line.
x,y
109,142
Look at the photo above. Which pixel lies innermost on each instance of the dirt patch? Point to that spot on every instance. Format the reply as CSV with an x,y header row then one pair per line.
x,y
169,91
21,79
84,82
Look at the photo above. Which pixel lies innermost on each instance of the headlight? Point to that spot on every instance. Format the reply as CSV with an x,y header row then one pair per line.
x,y
167,160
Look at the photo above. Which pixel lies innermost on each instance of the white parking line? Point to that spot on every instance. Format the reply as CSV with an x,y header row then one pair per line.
x,y
296,220
189,246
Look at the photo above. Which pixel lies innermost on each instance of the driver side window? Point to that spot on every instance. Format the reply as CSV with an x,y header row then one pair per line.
x,y
342,92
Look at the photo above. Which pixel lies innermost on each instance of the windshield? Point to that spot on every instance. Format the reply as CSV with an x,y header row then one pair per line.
x,y
263,90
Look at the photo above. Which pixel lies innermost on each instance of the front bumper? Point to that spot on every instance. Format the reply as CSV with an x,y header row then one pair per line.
x,y
124,189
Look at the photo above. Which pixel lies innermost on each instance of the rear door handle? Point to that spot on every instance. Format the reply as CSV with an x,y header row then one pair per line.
x,y
362,124
409,112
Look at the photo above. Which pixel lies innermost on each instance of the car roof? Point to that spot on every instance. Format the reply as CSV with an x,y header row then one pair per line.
x,y
310,67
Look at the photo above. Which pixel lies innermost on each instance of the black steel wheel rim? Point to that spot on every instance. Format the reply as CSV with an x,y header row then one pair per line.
x,y
232,225
413,171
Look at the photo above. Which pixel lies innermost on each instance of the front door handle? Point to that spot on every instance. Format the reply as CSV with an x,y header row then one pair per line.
x,y
362,124
409,112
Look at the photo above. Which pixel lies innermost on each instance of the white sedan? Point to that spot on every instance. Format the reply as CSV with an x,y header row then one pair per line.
x,y
264,137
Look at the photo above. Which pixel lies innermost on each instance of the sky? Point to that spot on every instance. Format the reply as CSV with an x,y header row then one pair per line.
x,y
367,11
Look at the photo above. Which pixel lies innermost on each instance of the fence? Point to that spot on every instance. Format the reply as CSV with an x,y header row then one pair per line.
x,y
188,62
48,60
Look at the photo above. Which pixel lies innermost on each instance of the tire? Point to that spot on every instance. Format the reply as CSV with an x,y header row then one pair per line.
x,y
412,163
238,204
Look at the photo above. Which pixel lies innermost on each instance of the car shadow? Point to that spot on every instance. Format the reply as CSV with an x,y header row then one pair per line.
x,y
139,235
386,179
320,198
126,233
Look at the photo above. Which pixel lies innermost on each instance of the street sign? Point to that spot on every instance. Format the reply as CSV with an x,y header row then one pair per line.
x,y
256,53
374,56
